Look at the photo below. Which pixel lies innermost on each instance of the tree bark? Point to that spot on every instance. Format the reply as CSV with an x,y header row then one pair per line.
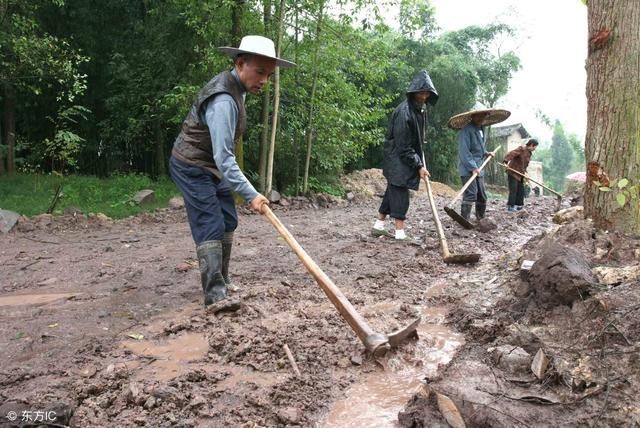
x,y
266,105
276,103
9,127
613,112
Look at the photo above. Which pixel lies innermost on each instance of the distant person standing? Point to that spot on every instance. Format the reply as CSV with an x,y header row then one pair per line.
x,y
518,160
203,163
402,164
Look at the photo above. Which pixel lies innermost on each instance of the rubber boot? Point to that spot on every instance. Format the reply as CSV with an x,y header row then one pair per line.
x,y
210,261
480,210
465,210
227,244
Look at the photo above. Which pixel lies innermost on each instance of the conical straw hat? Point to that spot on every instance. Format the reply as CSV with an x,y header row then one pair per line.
x,y
492,116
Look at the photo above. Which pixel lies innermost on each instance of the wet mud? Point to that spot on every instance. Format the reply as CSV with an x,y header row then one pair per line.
x,y
103,324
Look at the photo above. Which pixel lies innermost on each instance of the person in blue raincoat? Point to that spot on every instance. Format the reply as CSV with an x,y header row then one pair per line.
x,y
403,158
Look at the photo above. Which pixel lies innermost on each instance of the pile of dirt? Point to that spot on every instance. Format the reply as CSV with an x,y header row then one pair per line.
x,y
568,356
369,183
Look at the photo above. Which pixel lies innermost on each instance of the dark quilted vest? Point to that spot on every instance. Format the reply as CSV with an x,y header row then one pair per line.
x,y
193,145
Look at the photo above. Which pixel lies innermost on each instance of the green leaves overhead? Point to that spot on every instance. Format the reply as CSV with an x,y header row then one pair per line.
x,y
137,64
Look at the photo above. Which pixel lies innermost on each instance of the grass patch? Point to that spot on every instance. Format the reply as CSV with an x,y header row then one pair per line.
x,y
31,194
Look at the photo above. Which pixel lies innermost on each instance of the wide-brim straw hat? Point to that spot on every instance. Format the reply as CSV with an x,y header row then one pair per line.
x,y
492,116
257,45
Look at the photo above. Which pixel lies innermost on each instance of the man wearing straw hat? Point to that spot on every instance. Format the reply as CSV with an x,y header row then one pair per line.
x,y
203,164
402,163
471,153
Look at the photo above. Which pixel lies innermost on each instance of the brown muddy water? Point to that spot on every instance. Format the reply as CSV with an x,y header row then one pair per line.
x,y
379,396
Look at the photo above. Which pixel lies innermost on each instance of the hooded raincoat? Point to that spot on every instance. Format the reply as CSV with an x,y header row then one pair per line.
x,y
405,136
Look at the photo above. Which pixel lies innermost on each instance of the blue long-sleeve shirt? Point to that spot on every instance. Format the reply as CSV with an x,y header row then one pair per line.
x,y
471,150
221,115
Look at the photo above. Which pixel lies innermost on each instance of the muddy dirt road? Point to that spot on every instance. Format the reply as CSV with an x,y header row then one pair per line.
x,y
102,323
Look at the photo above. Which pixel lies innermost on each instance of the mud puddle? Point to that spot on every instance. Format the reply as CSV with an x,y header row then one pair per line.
x,y
377,399
33,299
170,358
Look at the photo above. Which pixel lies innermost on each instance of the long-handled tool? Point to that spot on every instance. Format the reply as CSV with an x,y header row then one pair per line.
x,y
446,256
376,343
558,195
450,211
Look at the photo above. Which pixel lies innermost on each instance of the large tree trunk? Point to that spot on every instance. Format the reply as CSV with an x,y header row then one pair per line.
x,y
613,112
266,105
9,127
276,103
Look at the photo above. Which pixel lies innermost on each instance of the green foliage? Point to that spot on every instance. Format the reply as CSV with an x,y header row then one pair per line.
x,y
32,60
561,155
31,194
417,19
63,148
137,66
624,191
328,187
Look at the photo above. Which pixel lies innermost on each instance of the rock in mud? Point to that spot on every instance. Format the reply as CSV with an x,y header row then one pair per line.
x,y
560,277
176,203
290,415
617,275
511,358
226,305
539,364
422,411
568,215
7,220
144,197
486,225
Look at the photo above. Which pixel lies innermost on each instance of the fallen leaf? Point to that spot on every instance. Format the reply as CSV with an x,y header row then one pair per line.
x,y
52,325
136,336
450,411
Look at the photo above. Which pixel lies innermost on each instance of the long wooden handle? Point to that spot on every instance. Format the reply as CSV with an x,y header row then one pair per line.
x,y
434,211
473,176
529,178
348,312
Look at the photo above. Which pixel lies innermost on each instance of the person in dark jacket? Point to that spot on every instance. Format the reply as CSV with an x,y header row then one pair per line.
x,y
471,153
403,159
203,164
518,160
